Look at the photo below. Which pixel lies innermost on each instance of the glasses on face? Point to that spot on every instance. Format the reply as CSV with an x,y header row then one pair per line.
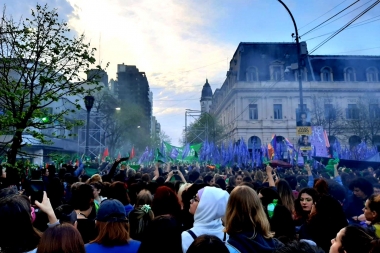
x,y
194,199
306,199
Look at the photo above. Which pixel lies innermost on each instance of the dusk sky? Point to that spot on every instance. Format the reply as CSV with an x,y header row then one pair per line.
x,y
180,43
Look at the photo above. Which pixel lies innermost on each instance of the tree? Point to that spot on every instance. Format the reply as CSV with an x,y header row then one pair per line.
x,y
40,66
206,127
124,126
330,116
158,138
364,119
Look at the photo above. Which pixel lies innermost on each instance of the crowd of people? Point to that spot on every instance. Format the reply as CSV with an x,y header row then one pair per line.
x,y
191,208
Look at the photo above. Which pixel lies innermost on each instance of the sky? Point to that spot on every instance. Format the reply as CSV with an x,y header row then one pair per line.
x,y
180,43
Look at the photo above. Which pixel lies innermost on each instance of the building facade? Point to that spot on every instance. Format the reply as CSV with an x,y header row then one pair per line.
x,y
132,85
260,95
206,98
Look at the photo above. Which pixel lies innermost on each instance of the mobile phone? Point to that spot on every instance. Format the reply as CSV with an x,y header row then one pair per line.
x,y
37,193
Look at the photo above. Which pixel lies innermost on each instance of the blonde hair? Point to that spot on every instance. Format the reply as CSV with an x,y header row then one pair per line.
x,y
180,191
259,176
94,179
245,213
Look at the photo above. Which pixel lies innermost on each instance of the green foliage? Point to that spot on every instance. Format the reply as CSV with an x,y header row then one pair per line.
x,y
41,70
206,127
124,127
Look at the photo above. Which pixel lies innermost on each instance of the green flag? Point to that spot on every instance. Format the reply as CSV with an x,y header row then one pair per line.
x,y
159,157
135,167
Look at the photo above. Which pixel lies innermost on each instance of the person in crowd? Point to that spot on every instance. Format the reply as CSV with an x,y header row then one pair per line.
x,y
221,182
113,228
292,180
299,247
247,224
209,179
282,224
376,188
83,203
325,220
118,190
63,238
187,196
231,184
208,207
163,234
165,201
286,194
66,214
354,239
207,244
180,191
97,187
362,189
303,205
141,215
17,234
96,178
321,186
372,213
239,178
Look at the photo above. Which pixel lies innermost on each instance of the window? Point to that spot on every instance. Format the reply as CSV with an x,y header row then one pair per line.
x,y
372,75
374,111
352,111
277,75
252,74
349,75
253,112
326,75
329,112
277,111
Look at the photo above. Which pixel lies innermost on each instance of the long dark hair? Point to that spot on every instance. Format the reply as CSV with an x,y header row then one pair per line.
x,y
16,231
118,190
297,204
356,239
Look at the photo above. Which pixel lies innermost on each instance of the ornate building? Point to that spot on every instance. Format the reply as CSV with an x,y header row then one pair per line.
x,y
260,94
206,98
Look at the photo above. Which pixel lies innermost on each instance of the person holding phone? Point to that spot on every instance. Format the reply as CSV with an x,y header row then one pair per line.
x,y
17,232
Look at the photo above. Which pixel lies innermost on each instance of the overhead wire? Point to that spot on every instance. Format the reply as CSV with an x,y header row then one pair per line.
x,y
330,18
365,22
342,16
321,15
344,27
357,50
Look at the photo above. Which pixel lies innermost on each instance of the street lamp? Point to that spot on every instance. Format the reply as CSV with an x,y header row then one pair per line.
x,y
298,56
117,108
89,102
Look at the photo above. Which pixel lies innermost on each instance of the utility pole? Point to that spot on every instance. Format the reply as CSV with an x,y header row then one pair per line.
x,y
298,57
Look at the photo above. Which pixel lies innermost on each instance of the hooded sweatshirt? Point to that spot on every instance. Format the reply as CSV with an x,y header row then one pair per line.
x,y
207,218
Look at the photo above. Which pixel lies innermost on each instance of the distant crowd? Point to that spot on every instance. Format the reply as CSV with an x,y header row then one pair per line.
x,y
190,208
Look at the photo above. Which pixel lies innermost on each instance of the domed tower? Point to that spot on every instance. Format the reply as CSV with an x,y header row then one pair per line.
x,y
206,98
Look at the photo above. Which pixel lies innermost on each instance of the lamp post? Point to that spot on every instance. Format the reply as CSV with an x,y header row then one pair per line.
x,y
89,102
298,56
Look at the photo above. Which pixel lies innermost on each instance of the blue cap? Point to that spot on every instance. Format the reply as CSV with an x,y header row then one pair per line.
x,y
111,210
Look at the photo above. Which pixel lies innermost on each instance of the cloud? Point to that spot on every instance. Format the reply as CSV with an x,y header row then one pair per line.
x,y
166,39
